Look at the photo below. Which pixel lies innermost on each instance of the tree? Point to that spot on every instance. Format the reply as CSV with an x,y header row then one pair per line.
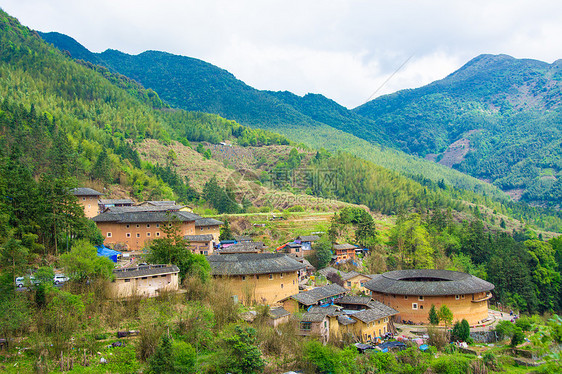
x,y
82,263
323,252
445,315
225,233
335,278
240,354
518,337
172,249
162,361
461,331
433,317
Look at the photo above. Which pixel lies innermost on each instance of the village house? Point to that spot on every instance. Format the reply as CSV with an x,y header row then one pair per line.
x,y
306,241
352,280
209,226
110,203
291,248
343,253
200,244
315,325
130,228
146,281
278,316
88,198
371,323
324,295
412,292
263,278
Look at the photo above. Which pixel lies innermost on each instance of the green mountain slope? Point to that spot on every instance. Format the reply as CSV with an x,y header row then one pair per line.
x,y
192,84
506,111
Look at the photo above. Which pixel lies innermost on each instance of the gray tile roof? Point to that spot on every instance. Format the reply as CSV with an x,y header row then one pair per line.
x,y
355,300
278,313
115,201
199,238
351,274
144,208
327,271
331,310
84,191
427,283
319,293
313,317
243,247
208,222
344,246
252,263
144,271
346,320
377,311
136,216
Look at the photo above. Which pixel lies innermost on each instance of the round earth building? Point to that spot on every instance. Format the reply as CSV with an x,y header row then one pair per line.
x,y
412,292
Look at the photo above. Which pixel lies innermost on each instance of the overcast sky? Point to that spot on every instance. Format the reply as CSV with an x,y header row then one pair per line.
x,y
345,50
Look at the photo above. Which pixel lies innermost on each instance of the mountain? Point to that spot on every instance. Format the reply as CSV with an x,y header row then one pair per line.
x,y
315,120
497,118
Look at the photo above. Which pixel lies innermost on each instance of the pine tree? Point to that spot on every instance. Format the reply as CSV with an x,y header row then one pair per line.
x,y
162,362
433,317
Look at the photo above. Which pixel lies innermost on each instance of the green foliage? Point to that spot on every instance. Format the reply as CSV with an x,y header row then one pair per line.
x,y
222,199
225,232
239,353
323,252
329,359
445,315
184,357
173,249
433,317
518,337
452,364
82,263
505,329
524,323
162,361
461,331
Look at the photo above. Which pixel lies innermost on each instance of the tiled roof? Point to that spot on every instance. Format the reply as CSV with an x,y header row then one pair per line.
x,y
346,320
84,191
331,310
278,313
313,317
344,246
328,270
243,247
427,283
355,300
352,274
208,222
199,238
308,238
115,201
252,263
136,216
319,293
145,208
378,311
144,271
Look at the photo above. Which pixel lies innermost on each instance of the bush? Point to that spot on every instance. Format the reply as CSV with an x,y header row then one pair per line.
x,y
505,329
437,337
524,323
451,364
518,337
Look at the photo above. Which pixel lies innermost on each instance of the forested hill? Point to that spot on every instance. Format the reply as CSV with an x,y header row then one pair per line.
x,y
192,84
497,118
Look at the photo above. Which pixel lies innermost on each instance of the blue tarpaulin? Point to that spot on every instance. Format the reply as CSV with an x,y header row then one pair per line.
x,y
108,252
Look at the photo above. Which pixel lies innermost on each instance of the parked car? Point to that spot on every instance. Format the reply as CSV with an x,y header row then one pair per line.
x,y
60,278
24,281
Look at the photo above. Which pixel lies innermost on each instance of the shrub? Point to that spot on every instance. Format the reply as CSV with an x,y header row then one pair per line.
x,y
451,364
524,323
505,329
518,337
437,337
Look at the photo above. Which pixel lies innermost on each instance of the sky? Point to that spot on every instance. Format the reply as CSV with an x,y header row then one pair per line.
x,y
349,51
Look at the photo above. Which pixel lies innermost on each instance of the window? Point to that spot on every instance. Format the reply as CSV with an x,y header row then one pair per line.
x,y
144,278
138,226
89,205
348,283
148,225
270,276
138,234
307,326
257,277
457,297
421,306
415,306
420,298
147,234
243,277
280,275
157,225
109,235
405,297
155,276
157,234
83,199
163,276
127,280
325,324
128,225
128,235
462,296
281,285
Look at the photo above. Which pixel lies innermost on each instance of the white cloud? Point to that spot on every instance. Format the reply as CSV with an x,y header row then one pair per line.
x,y
342,49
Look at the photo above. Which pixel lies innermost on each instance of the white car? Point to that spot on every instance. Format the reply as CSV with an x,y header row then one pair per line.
x,y
60,278
20,282
25,281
